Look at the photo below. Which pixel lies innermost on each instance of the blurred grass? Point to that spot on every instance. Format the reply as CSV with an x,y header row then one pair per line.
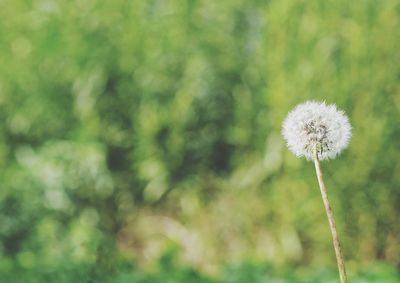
x,y
244,272
130,128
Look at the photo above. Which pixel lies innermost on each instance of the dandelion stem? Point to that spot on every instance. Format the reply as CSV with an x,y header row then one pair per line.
x,y
332,225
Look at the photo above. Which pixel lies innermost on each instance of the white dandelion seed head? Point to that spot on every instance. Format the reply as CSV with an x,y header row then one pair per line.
x,y
317,126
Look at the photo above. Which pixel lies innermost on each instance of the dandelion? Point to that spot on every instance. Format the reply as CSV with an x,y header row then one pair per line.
x,y
319,131
315,125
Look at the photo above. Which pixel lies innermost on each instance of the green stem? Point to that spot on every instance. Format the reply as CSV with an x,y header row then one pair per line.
x,y
332,225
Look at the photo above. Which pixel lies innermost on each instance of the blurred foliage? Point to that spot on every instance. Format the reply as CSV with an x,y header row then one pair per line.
x,y
131,130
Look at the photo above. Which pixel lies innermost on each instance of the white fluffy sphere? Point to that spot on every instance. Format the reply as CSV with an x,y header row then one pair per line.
x,y
317,126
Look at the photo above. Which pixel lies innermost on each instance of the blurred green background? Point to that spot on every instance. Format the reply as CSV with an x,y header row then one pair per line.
x,y
140,140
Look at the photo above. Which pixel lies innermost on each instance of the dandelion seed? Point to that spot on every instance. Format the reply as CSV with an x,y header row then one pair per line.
x,y
316,126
